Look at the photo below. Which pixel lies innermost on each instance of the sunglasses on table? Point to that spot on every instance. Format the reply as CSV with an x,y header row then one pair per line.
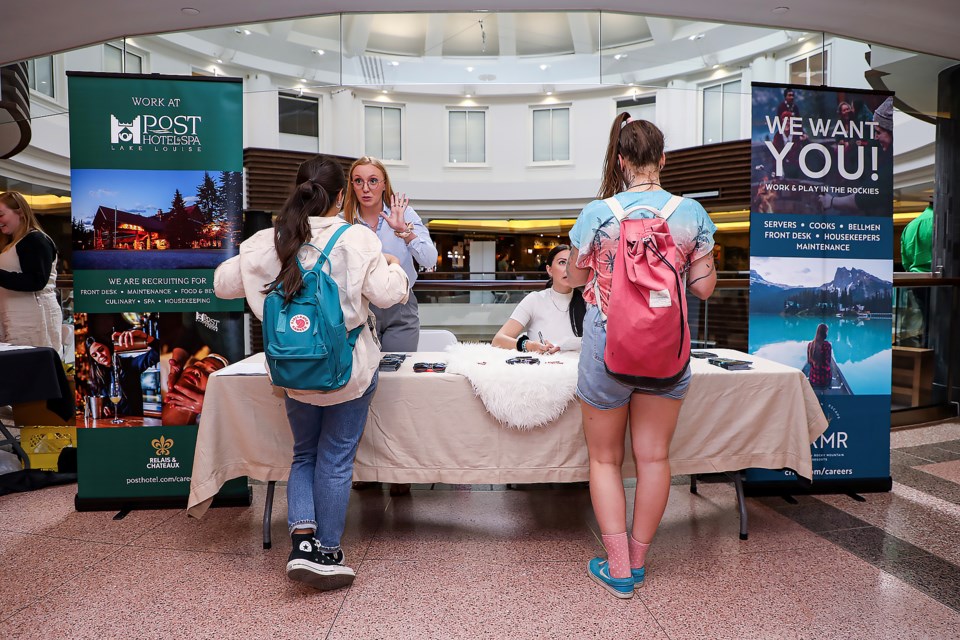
x,y
430,367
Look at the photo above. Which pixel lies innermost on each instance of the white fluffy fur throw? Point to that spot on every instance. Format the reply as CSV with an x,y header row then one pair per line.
x,y
522,396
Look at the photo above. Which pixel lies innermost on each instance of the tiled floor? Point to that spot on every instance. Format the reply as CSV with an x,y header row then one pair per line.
x,y
493,562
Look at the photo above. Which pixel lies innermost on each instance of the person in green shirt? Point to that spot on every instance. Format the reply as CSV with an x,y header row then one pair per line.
x,y
916,242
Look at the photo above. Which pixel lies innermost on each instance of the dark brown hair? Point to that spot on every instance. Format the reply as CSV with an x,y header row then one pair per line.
x,y
319,182
640,143
578,308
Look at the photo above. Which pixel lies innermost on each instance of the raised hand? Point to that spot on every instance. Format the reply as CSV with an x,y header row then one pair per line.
x,y
398,205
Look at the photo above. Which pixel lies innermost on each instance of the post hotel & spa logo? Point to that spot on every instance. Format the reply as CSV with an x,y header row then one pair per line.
x,y
164,460
155,132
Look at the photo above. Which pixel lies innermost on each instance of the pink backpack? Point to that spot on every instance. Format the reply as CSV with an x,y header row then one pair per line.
x,y
648,340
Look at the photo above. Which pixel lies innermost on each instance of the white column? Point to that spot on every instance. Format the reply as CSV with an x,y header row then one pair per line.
x,y
261,112
483,266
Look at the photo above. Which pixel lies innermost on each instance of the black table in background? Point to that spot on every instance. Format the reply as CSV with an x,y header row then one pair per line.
x,y
33,374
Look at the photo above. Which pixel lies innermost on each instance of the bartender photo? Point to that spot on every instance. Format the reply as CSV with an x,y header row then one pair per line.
x,y
104,366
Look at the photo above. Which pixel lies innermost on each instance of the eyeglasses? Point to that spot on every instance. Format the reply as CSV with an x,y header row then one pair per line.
x,y
372,183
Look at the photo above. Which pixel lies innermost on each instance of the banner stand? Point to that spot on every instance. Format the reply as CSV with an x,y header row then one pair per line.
x,y
156,172
821,272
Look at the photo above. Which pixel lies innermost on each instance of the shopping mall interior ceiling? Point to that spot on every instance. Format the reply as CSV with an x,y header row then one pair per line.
x,y
32,28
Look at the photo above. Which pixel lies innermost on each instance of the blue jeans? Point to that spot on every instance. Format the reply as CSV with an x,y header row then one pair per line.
x,y
325,442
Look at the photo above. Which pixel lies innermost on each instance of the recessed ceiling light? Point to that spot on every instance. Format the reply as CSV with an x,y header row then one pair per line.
x,y
303,79
620,56
801,38
780,10
716,66
317,52
190,11
219,61
696,36
468,95
394,63
247,32
469,69
544,67
384,91
549,93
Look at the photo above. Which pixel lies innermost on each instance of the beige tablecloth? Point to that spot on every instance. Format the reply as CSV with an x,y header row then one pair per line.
x,y
429,427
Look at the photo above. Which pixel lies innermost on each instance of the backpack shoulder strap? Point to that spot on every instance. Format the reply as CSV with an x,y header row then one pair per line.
x,y
616,207
670,207
325,252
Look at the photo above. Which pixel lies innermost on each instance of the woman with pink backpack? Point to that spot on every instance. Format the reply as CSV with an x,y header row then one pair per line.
x,y
636,250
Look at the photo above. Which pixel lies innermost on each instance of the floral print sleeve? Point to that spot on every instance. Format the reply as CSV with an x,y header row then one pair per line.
x,y
596,235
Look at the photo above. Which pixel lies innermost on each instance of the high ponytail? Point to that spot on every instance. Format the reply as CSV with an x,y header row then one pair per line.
x,y
319,181
613,181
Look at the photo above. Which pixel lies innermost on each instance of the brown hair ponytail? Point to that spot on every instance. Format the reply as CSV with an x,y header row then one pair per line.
x,y
319,181
612,181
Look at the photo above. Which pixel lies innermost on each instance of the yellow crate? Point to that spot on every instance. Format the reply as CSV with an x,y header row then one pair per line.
x,y
43,444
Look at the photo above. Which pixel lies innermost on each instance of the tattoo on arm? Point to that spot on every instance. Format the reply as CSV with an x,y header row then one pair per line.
x,y
707,274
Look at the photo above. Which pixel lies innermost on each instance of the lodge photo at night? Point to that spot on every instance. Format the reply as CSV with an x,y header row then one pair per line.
x,y
155,219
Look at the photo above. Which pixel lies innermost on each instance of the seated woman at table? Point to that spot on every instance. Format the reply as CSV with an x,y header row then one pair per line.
x,y
632,168
819,359
326,426
29,312
554,315
103,367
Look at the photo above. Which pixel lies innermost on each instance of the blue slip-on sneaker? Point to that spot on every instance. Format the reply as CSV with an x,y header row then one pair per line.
x,y
600,573
638,575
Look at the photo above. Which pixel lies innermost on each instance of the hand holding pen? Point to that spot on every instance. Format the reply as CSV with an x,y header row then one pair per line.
x,y
544,346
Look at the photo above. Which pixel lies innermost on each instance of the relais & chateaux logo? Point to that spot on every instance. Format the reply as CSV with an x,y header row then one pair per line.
x,y
150,130
163,447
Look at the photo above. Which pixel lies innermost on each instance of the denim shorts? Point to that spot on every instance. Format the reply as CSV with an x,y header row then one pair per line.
x,y
598,388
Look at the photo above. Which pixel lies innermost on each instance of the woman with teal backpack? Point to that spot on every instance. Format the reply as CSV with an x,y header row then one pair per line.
x,y
326,425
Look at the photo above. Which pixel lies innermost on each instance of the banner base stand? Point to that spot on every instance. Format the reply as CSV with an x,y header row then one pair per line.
x,y
233,499
866,485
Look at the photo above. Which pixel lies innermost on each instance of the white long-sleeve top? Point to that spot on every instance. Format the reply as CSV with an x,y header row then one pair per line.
x,y
362,276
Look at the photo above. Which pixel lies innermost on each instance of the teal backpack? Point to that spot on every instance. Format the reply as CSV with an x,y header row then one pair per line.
x,y
307,346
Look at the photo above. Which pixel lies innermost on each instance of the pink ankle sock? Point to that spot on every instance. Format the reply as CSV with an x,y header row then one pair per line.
x,y
618,554
638,552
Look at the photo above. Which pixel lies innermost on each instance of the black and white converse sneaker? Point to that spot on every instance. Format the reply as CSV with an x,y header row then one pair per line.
x,y
311,566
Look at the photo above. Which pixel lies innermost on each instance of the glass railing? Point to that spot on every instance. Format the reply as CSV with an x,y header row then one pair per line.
x,y
475,306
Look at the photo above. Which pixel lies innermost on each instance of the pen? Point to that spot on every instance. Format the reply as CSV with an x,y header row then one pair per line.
x,y
540,334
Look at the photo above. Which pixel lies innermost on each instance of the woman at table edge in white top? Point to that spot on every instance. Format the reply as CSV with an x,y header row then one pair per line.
x,y
29,312
632,166
326,426
554,315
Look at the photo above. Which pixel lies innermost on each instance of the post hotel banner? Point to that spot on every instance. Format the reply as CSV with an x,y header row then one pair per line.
x,y
156,179
821,270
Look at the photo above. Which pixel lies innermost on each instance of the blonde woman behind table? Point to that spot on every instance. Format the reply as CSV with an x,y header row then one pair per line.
x,y
29,312
552,318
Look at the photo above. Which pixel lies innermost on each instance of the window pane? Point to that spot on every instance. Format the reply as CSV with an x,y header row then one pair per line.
x,y
458,136
391,134
476,136
42,79
542,148
816,68
299,116
712,115
826,67
373,131
112,58
645,112
731,111
561,134
134,63
798,72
